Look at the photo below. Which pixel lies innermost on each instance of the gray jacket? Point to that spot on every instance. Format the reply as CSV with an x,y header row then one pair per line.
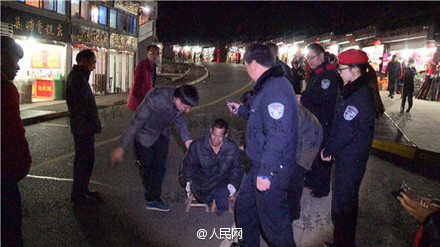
x,y
153,118
310,137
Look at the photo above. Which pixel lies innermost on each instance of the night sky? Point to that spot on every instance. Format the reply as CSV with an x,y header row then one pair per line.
x,y
199,22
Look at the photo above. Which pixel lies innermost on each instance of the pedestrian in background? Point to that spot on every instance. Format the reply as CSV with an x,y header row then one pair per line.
x,y
149,131
319,97
299,74
287,71
394,73
352,132
144,78
16,158
408,85
84,124
271,145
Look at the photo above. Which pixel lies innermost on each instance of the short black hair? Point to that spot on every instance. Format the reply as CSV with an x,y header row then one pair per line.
x,y
317,48
261,54
187,94
219,123
152,46
10,48
84,55
246,96
273,47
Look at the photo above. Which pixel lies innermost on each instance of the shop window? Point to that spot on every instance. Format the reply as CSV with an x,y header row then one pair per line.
x,y
134,24
35,3
128,23
94,14
102,15
112,18
84,9
74,8
50,5
21,1
120,21
61,7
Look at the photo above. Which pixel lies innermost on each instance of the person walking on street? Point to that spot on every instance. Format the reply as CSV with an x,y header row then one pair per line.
x,y
394,73
212,168
271,145
319,97
408,85
84,124
299,74
149,130
16,158
288,72
144,78
352,132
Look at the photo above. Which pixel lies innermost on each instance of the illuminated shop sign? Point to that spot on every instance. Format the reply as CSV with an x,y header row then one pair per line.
x,y
45,60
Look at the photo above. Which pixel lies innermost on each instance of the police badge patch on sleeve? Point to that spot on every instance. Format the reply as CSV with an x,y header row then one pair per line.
x,y
350,112
276,110
325,83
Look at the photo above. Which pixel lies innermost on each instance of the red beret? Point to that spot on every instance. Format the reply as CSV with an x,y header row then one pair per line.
x,y
353,56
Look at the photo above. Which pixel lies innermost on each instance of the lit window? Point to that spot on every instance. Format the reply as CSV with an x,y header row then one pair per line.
x,y
102,15
112,18
94,14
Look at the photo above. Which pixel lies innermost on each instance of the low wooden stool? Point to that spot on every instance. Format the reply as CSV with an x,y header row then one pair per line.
x,y
192,202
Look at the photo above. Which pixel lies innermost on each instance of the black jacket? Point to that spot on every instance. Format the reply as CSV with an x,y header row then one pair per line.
x,y
320,94
408,79
272,127
310,137
208,171
83,113
353,123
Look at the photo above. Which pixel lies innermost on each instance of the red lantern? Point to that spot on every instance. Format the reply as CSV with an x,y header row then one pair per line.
x,y
317,42
377,42
352,40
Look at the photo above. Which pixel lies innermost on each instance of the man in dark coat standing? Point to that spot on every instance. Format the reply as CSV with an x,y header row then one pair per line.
x,y
84,124
394,73
16,158
287,70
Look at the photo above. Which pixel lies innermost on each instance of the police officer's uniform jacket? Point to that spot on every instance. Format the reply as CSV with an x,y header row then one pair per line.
x,y
272,128
208,171
153,118
320,94
353,124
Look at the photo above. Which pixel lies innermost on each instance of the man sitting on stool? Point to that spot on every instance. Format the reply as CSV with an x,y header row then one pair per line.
x,y
213,168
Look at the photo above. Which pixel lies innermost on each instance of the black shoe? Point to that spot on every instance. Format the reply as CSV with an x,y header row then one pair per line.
x,y
83,200
94,194
235,244
218,212
401,110
407,110
391,96
318,194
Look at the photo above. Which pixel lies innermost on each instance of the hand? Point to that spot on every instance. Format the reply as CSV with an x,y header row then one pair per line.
x,y
329,158
263,184
116,156
241,147
233,107
414,209
231,189
298,99
188,189
187,143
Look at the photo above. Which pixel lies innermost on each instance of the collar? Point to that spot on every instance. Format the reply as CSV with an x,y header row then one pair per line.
x,y
325,66
274,71
81,71
351,87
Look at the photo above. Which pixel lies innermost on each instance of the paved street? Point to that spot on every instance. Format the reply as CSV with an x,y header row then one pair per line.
x,y
122,220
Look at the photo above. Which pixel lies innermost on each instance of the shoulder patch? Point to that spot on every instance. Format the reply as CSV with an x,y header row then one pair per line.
x,y
325,83
276,110
350,113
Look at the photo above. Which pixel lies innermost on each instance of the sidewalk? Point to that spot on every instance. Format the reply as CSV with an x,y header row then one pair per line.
x,y
414,135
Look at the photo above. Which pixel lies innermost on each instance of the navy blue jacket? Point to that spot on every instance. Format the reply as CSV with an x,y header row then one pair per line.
x,y
272,127
353,123
208,171
320,94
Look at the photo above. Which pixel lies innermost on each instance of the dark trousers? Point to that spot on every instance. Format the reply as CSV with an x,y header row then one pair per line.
x,y
410,100
319,177
296,188
11,215
221,196
153,160
83,163
392,84
348,178
268,211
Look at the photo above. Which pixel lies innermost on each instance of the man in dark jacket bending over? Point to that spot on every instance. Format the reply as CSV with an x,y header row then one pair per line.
x,y
213,168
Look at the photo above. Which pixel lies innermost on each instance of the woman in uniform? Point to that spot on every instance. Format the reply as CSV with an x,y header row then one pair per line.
x,y
357,106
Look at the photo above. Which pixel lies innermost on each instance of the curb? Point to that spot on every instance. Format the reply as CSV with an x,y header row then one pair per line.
x,y
200,79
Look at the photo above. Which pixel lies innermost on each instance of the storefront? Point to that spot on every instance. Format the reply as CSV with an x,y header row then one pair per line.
x,y
43,67
121,63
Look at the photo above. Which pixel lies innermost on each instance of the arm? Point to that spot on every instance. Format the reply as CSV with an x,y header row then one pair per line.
x,y
237,169
183,129
189,164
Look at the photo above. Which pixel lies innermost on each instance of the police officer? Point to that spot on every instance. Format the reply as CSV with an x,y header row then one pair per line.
x,y
319,98
271,139
350,140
